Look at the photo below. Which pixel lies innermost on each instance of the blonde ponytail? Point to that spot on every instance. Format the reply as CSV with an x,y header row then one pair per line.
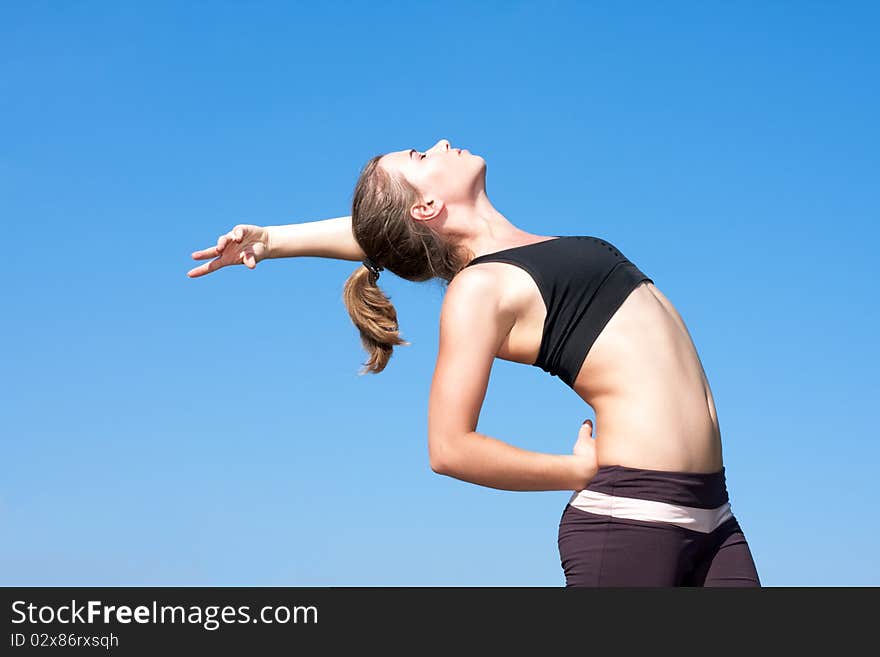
x,y
374,316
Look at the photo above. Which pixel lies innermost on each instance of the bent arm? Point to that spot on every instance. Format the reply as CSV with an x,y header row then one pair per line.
x,y
481,459
474,322
328,238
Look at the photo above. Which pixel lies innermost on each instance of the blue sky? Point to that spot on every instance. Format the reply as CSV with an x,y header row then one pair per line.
x,y
162,431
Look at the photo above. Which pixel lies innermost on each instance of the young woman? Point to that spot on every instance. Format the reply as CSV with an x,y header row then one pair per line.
x,y
649,507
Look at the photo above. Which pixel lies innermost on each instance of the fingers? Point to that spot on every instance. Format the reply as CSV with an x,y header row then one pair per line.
x,y
244,257
210,252
587,427
247,258
234,235
207,268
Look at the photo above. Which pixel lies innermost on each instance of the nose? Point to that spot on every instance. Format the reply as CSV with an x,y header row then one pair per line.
x,y
442,145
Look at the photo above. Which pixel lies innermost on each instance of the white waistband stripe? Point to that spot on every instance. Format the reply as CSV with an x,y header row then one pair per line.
x,y
700,520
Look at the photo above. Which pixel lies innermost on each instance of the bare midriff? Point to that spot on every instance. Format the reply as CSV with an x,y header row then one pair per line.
x,y
642,377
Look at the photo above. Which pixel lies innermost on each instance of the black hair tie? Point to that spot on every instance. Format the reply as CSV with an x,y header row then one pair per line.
x,y
373,267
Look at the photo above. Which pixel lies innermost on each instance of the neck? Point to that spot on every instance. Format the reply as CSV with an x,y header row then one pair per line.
x,y
483,229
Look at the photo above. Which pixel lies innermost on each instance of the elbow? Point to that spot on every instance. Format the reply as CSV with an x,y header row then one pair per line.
x,y
439,465
440,457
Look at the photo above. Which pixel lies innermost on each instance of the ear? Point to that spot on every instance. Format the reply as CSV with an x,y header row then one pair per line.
x,y
427,210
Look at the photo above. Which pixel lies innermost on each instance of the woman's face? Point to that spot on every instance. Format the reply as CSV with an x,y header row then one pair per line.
x,y
443,174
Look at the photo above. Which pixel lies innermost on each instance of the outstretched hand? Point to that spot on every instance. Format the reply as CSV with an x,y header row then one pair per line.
x,y
585,447
244,244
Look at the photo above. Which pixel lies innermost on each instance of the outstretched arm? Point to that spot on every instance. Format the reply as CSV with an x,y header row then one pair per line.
x,y
328,238
248,244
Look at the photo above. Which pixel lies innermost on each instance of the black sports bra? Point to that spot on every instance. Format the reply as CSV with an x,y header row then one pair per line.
x,y
583,281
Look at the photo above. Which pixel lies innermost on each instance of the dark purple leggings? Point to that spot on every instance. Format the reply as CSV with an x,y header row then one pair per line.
x,y
633,527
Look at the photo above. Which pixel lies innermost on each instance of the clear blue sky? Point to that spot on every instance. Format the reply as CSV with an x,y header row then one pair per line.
x,y
158,430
